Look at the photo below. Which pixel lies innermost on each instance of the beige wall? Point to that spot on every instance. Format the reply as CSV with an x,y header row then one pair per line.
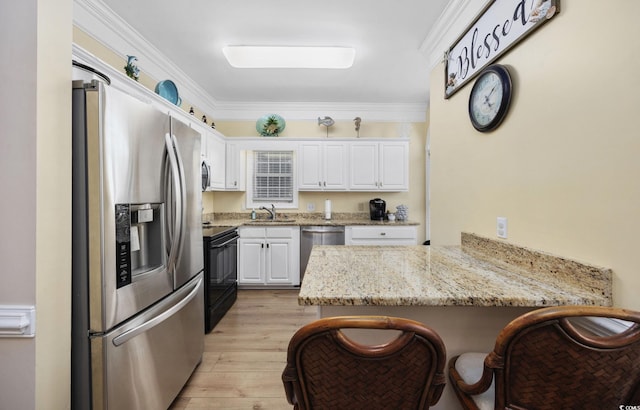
x,y
35,179
341,201
563,167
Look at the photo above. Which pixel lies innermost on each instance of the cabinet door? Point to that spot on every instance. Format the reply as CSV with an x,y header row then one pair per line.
x,y
334,166
394,166
278,269
251,261
216,154
363,166
310,167
282,261
235,168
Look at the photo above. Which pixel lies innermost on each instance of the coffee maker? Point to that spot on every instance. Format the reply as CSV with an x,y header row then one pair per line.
x,y
377,209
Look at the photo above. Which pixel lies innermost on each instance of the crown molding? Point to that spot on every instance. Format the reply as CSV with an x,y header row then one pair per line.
x,y
451,23
101,23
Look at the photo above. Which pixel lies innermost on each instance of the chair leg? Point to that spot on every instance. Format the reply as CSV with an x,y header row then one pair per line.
x,y
466,402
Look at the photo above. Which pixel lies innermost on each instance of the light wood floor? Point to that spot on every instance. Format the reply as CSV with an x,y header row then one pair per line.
x,y
245,354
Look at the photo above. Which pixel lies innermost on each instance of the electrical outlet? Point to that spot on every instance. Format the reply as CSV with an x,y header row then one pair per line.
x,y
311,207
501,227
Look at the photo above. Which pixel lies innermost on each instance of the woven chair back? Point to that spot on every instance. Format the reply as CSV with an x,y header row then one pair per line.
x,y
543,361
327,370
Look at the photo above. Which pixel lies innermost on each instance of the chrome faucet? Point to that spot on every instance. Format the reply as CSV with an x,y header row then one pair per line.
x,y
272,211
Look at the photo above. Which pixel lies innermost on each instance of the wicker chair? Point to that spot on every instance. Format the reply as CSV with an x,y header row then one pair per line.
x,y
555,358
327,370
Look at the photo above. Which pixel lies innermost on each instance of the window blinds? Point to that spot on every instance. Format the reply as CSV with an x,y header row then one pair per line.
x,y
273,176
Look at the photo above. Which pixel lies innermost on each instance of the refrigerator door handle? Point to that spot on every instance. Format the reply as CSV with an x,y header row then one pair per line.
x,y
173,186
182,198
131,333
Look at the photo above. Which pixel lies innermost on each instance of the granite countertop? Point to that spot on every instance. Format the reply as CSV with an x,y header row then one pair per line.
x,y
481,272
297,219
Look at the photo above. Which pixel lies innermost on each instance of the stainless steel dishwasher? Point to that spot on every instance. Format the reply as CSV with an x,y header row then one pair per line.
x,y
317,235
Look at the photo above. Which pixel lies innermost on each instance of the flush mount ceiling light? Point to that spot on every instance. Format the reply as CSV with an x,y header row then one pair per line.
x,y
289,57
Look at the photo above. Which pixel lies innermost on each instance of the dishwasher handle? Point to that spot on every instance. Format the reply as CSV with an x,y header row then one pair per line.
x,y
321,231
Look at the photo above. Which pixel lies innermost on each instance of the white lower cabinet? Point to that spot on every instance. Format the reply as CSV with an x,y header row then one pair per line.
x,y
381,235
269,256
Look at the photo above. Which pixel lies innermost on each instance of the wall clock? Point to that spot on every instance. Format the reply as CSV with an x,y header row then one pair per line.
x,y
490,98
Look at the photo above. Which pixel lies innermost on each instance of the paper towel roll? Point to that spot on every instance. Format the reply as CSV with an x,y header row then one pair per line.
x,y
327,209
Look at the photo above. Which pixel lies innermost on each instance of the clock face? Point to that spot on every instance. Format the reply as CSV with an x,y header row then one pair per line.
x,y
490,98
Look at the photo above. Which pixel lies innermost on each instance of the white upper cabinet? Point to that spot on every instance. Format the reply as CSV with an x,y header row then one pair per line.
x,y
379,166
236,167
322,166
214,150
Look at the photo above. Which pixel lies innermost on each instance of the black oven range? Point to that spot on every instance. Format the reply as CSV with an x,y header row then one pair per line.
x,y
220,272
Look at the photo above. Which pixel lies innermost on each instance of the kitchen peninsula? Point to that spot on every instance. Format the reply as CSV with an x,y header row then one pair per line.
x,y
466,293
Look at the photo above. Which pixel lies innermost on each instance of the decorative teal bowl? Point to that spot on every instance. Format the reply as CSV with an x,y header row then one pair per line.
x,y
168,90
270,125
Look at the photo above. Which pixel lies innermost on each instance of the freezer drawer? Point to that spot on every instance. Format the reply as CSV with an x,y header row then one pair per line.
x,y
145,363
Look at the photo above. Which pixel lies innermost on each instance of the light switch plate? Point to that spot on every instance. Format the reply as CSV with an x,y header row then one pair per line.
x,y
501,227
311,207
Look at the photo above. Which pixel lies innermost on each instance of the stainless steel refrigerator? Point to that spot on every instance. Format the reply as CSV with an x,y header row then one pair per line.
x,y
137,282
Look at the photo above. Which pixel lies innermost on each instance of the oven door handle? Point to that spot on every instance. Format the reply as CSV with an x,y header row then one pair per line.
x,y
222,245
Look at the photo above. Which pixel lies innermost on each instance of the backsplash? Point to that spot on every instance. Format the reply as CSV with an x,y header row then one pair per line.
x,y
591,278
210,217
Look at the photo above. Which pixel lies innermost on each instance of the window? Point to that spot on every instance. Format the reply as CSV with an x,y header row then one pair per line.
x,y
272,180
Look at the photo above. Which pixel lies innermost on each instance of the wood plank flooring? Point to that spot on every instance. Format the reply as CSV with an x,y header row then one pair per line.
x,y
245,354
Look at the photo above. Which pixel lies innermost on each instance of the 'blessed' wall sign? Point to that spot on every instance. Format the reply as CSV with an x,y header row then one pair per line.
x,y
497,28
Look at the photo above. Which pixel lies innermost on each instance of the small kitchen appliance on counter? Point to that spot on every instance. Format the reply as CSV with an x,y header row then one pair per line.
x,y
377,209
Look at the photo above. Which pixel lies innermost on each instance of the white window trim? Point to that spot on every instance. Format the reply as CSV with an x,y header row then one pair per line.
x,y
250,203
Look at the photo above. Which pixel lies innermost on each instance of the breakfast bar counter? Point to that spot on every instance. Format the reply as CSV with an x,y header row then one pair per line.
x,y
466,293
446,276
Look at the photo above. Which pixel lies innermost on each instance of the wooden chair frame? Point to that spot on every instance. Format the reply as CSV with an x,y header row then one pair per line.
x,y
604,372
326,369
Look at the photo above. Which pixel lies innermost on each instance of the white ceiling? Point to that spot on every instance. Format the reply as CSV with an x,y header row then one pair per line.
x,y
387,35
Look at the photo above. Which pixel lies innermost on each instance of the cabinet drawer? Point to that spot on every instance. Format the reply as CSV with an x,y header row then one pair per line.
x,y
281,232
251,232
383,232
381,235
269,232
